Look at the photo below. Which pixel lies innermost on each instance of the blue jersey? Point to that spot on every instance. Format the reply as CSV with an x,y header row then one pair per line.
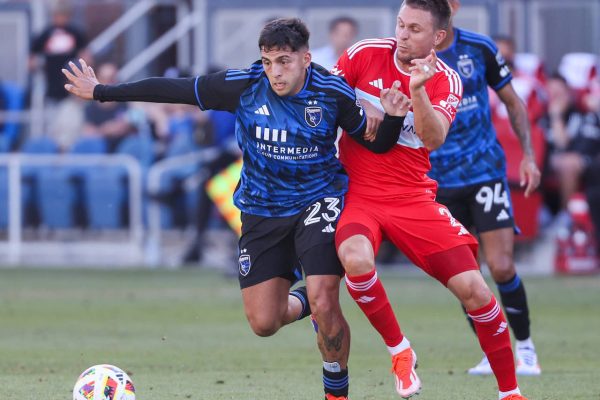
x,y
471,153
288,143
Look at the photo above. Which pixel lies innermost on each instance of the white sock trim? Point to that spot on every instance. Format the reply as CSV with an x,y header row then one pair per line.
x,y
361,286
403,345
332,366
502,395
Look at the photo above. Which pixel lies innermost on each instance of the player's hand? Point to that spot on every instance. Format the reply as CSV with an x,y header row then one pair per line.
x,y
374,118
530,175
395,102
82,81
422,70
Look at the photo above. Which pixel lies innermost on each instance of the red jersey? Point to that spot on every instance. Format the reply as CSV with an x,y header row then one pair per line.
x,y
370,66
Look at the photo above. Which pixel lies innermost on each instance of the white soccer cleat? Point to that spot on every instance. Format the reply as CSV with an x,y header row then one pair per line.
x,y
483,368
527,361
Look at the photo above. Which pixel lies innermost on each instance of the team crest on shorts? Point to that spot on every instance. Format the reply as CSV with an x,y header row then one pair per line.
x,y
313,116
465,66
245,264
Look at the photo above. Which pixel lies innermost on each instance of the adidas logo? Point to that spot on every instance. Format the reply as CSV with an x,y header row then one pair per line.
x,y
501,329
503,216
378,83
328,229
262,111
365,299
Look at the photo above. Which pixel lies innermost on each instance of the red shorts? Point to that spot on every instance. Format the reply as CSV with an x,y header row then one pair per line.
x,y
422,229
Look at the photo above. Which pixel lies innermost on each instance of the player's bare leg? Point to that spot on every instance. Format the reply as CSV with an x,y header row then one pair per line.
x,y
333,336
269,306
498,248
491,327
358,258
334,332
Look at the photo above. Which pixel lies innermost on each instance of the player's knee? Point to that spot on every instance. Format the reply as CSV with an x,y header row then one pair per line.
x,y
502,267
472,291
263,325
323,307
355,261
479,295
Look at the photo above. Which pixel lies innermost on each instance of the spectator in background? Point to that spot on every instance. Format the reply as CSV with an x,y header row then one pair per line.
x,y
177,128
51,50
220,126
529,88
59,43
342,34
108,120
575,137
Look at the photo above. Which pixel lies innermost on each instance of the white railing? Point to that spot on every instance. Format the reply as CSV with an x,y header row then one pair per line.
x,y
15,247
174,34
123,23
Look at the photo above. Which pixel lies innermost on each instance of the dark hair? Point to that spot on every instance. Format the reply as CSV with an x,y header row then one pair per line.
x,y
342,20
284,33
504,38
439,9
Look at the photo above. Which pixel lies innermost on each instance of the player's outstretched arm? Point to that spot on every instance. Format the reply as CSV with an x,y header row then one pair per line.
x,y
82,81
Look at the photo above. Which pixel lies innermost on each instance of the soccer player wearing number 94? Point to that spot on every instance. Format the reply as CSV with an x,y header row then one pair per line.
x,y
292,185
470,168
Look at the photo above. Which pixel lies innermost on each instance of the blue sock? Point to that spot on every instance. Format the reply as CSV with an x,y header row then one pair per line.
x,y
514,301
300,294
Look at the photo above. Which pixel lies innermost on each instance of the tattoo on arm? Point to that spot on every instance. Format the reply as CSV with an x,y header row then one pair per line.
x,y
520,124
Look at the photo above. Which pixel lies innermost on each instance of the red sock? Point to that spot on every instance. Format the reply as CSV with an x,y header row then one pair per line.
x,y
492,331
369,294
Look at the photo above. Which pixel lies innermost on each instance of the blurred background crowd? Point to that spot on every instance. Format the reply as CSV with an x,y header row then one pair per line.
x,y
125,183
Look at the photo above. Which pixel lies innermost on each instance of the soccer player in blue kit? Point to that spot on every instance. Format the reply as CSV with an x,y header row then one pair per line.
x,y
470,169
292,185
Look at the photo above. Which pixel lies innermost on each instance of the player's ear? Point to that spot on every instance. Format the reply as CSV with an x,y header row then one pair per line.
x,y
307,58
440,35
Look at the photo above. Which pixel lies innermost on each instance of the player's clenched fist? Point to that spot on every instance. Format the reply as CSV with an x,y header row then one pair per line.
x,y
82,81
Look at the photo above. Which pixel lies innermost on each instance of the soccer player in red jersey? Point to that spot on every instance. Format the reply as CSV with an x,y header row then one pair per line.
x,y
391,196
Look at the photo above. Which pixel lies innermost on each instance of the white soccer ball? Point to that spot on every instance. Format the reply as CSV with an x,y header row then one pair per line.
x,y
103,382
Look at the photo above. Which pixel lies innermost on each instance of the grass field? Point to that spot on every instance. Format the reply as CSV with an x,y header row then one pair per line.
x,y
183,335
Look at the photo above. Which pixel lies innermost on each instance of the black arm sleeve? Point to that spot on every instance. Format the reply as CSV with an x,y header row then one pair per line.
x,y
387,135
153,90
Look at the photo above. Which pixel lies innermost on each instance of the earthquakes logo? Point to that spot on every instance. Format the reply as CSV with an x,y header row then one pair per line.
x,y
313,115
244,262
465,66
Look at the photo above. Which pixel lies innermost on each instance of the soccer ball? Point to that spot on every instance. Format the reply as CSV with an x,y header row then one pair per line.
x,y
103,382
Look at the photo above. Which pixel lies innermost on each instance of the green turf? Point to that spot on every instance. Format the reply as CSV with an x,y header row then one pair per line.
x,y
183,335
